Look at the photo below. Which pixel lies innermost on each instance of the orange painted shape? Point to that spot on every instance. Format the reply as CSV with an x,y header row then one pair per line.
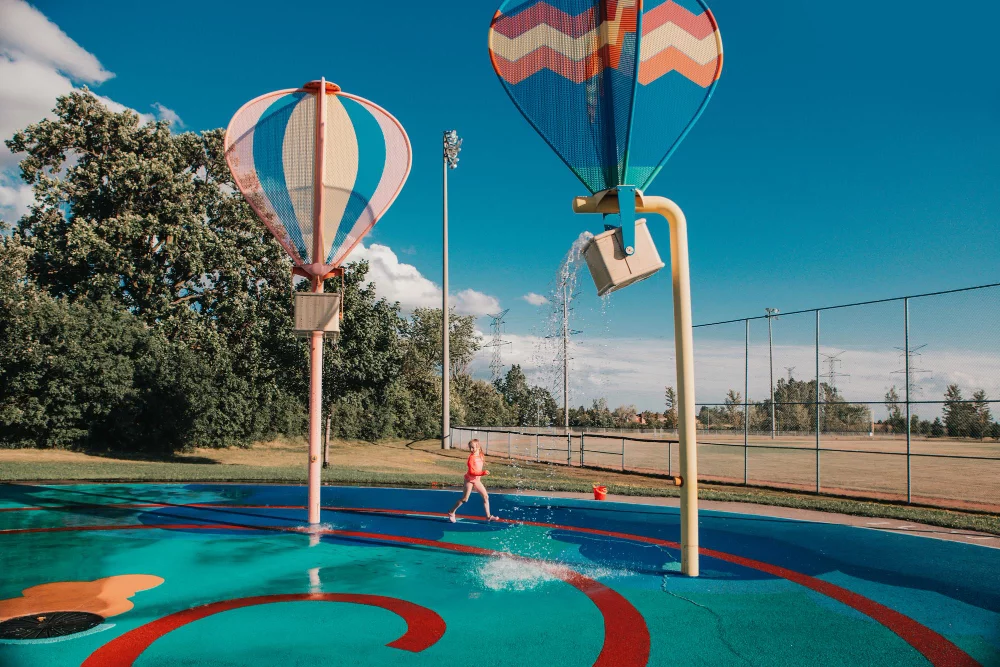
x,y
104,597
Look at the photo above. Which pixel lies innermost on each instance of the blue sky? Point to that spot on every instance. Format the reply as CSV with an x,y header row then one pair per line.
x,y
849,153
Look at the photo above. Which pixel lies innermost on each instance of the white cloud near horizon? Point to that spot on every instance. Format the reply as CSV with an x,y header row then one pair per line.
x,y
635,371
397,281
535,299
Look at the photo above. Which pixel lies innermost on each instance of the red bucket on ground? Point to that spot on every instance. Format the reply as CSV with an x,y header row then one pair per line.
x,y
600,492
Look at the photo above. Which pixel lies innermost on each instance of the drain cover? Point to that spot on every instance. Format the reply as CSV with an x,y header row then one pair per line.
x,y
51,624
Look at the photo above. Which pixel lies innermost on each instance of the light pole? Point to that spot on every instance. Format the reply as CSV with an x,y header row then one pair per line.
x,y
452,145
771,313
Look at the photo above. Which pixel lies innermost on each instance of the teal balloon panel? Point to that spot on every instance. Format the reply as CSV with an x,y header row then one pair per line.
x,y
271,148
613,86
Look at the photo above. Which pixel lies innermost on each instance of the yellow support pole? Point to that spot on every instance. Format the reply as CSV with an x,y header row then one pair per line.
x,y
607,202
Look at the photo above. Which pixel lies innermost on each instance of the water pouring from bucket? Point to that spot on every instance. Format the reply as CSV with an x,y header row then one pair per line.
x,y
614,86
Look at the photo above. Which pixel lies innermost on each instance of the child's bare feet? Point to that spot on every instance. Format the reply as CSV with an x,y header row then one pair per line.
x,y
451,517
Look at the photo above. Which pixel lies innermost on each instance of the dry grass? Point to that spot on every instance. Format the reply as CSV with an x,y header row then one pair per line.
x,y
877,469
402,463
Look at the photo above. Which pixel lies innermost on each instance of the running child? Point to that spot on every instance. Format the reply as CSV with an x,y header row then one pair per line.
x,y
474,480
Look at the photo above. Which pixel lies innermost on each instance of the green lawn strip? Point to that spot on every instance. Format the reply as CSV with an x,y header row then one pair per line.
x,y
528,478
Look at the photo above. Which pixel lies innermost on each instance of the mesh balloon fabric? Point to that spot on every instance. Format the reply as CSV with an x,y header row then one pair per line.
x,y
271,150
612,85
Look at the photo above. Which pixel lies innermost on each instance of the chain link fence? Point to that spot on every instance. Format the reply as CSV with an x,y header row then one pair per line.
x,y
897,399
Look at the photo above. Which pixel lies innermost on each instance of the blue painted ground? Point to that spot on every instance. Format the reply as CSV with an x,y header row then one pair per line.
x,y
497,610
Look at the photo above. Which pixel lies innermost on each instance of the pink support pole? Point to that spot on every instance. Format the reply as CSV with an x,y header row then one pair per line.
x,y
316,341
315,420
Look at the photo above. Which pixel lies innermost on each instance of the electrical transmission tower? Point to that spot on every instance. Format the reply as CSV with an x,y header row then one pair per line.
x,y
790,369
831,374
497,343
909,370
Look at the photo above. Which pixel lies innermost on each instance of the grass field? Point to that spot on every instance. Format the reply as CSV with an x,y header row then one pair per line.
x,y
423,464
875,468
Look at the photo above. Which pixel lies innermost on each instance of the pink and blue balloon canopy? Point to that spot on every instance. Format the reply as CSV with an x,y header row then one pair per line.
x,y
613,86
272,146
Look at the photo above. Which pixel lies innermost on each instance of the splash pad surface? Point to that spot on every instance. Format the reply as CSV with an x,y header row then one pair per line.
x,y
230,575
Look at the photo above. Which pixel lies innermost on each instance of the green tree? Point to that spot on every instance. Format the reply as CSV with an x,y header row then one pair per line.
x,y
959,415
670,414
624,415
734,409
896,420
424,340
981,419
484,405
528,405
132,215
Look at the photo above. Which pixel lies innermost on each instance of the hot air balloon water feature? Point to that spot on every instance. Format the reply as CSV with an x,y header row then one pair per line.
x,y
319,167
614,86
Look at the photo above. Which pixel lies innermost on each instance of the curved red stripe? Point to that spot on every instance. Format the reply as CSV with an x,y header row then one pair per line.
x,y
932,645
424,627
626,636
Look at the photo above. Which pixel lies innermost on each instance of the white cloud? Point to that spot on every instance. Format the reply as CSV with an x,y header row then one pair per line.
x,y
404,283
27,35
15,198
535,299
636,370
169,115
38,63
471,302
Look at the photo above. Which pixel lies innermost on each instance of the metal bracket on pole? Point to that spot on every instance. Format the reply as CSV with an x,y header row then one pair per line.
x,y
621,205
626,205
624,217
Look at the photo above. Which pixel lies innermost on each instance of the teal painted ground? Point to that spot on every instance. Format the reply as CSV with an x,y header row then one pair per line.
x,y
497,610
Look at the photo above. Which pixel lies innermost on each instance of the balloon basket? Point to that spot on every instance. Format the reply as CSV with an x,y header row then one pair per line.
x,y
600,492
611,268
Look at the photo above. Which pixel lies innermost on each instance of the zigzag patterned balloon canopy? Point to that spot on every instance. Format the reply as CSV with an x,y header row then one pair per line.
x,y
350,169
612,85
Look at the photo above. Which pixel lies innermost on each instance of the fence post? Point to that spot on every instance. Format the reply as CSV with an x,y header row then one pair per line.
x,y
669,462
746,398
508,445
487,450
583,437
817,403
906,355
569,448
623,454
536,446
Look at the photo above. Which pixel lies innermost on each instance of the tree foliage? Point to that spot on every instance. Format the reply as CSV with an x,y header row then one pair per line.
x,y
143,270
